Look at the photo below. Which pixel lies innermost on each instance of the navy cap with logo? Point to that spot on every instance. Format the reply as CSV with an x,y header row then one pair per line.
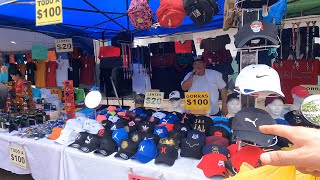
x,y
246,124
256,30
81,137
91,143
202,123
127,149
107,146
147,151
207,149
181,127
191,148
197,135
167,155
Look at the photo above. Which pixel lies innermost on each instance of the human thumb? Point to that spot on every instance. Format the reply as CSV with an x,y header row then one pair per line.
x,y
279,158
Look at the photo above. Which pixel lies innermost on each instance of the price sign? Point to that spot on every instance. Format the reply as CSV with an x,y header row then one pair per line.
x,y
153,99
64,45
197,100
48,12
136,177
313,89
18,156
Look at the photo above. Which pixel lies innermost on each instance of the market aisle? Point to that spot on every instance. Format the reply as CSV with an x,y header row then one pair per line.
x,y
6,175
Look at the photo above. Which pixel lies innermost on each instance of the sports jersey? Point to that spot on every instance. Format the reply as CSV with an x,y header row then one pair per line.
x,y
62,71
51,74
87,70
185,47
40,75
74,71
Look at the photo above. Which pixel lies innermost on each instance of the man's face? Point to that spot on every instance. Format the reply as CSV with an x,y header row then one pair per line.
x,y
199,66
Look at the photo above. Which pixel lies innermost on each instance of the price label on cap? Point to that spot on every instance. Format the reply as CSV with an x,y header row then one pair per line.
x,y
153,99
136,177
197,100
18,156
48,12
64,45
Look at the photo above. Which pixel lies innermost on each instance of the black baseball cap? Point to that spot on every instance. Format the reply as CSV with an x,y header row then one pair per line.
x,y
256,30
81,137
207,149
198,58
169,141
178,126
136,137
202,124
91,143
146,126
178,135
106,124
246,124
127,149
167,155
191,148
107,146
197,135
220,131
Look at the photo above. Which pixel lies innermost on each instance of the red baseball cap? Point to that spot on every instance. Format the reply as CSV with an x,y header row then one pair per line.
x,y
100,118
168,126
111,108
233,149
217,140
213,165
248,154
300,91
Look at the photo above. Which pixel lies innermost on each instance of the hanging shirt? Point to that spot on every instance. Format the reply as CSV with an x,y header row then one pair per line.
x,y
87,70
51,74
4,73
62,71
211,82
40,75
140,79
31,67
74,71
22,68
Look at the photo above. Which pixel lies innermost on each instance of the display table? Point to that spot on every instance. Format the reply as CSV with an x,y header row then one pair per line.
x,y
43,156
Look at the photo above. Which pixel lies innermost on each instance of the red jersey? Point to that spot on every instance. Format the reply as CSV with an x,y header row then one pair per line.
x,y
19,86
51,74
87,70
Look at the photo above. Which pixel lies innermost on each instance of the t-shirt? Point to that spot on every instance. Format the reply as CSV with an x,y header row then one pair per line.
x,y
19,86
87,70
74,71
40,76
51,74
140,79
211,82
31,67
4,73
79,95
62,71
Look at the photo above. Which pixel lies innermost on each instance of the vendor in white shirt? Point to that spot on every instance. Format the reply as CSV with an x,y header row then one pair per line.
x,y
207,80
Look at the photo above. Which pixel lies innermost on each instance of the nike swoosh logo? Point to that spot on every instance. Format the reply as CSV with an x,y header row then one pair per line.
x,y
257,76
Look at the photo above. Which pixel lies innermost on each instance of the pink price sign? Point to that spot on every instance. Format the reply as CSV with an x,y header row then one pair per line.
x,y
136,177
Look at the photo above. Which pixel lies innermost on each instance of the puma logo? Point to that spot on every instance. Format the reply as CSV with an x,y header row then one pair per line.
x,y
253,122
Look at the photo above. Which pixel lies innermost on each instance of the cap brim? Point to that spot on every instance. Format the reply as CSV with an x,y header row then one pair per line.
x,y
161,159
104,152
246,39
87,149
258,138
141,158
121,153
75,145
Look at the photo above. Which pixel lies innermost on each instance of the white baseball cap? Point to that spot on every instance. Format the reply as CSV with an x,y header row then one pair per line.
x,y
159,115
174,95
113,119
258,77
67,136
76,124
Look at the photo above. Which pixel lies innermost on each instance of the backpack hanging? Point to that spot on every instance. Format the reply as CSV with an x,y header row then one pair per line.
x,y
140,14
171,13
201,11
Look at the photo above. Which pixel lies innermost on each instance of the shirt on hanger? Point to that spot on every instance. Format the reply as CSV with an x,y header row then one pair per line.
x,y
31,67
62,71
40,75
51,74
87,70
4,73
74,71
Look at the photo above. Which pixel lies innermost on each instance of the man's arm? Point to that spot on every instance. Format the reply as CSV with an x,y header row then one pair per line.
x,y
186,85
224,94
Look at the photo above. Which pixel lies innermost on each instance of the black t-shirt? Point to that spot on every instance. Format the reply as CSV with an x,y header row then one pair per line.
x,y
74,71
31,68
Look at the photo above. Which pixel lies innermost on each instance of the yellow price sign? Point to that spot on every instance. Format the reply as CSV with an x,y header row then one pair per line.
x,y
153,99
48,12
197,100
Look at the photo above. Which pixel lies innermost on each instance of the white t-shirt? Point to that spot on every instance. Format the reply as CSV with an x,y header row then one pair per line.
x,y
140,79
211,82
62,71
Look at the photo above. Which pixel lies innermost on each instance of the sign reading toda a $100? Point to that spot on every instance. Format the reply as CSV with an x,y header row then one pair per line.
x,y
18,156
153,99
48,12
64,45
197,100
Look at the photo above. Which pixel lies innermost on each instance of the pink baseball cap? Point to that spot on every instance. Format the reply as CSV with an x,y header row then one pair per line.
x,y
300,91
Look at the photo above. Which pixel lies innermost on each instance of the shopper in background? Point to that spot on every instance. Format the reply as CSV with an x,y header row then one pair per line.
x,y
207,80
18,78
305,156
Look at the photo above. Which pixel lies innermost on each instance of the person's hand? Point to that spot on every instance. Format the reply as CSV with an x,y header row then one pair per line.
x,y
224,111
195,71
305,156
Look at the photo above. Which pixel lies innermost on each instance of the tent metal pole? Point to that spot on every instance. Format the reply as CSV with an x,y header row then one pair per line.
x,y
103,22
91,11
104,14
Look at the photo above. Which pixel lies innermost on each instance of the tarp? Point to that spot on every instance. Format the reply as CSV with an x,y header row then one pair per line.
x,y
82,18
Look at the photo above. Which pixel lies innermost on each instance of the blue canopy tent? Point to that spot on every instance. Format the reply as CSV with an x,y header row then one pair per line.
x,y
93,19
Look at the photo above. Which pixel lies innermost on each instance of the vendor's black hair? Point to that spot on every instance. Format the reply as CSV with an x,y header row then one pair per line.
x,y
15,71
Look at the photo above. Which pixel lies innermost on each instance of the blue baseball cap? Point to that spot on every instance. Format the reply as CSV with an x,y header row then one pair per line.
x,y
138,111
173,117
207,149
168,119
161,131
147,151
119,134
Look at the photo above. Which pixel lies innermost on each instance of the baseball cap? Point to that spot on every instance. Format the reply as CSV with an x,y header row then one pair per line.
x,y
113,119
181,127
127,149
270,98
146,126
191,148
202,124
159,115
256,30
300,91
67,136
218,140
248,154
119,134
139,99
136,137
233,149
178,135
169,141
131,127
107,146
213,165
197,135
220,131
95,128
187,118
100,118
55,133
111,108
91,143
207,149
174,95
168,126
106,124
154,120
221,120
147,151
117,125
261,78
151,136
105,132
167,120
234,95
246,122
76,124
161,131
81,137
167,155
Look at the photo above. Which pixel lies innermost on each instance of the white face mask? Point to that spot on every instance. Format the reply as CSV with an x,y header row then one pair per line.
x,y
234,106
275,108
176,104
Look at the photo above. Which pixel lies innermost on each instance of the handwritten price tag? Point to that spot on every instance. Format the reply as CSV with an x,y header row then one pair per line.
x,y
153,99
197,100
64,45
136,177
48,12
18,156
